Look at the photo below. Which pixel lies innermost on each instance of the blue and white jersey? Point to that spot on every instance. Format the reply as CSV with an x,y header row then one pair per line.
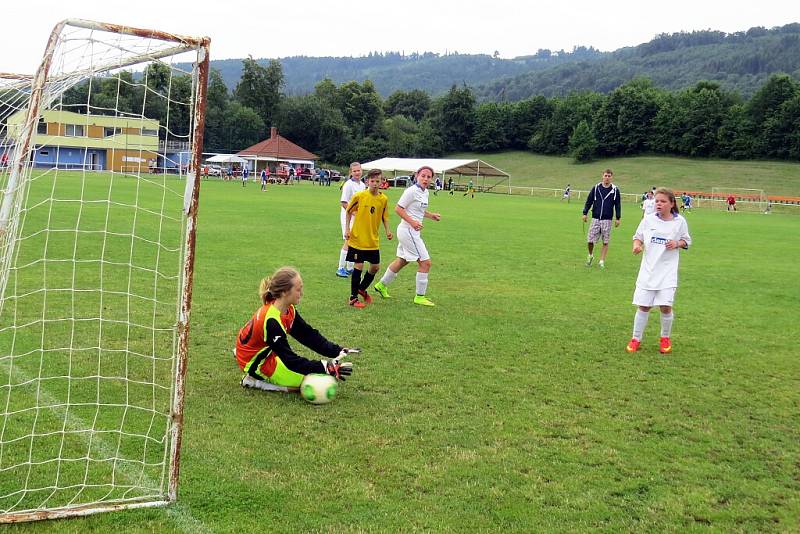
x,y
415,201
659,268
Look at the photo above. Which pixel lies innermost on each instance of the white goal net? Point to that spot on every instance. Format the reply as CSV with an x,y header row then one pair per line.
x,y
746,199
96,251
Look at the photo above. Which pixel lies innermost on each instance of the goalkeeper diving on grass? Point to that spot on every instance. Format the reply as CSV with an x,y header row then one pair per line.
x,y
262,347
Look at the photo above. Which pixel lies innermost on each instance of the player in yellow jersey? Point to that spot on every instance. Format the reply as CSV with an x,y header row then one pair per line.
x,y
367,210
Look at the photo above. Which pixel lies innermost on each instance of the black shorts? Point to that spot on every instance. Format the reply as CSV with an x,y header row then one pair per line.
x,y
360,256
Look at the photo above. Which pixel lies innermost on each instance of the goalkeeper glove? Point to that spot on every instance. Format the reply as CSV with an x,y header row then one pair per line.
x,y
338,370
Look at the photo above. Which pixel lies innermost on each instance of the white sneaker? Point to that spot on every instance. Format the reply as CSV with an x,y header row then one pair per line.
x,y
602,264
250,382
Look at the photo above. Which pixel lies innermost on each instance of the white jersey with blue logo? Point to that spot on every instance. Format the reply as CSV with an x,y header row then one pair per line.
x,y
659,268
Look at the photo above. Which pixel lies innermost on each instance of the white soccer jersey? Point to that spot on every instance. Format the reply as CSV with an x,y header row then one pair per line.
x,y
350,188
649,206
415,201
659,268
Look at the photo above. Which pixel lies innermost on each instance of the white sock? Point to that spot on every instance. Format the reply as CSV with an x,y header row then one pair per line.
x,y
388,277
342,257
422,283
640,323
666,324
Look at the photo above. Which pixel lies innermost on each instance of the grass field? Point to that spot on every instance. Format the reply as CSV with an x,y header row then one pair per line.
x,y
640,173
512,405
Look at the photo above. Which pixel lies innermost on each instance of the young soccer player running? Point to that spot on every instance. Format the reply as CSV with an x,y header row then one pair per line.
x,y
349,188
262,347
661,235
412,208
366,211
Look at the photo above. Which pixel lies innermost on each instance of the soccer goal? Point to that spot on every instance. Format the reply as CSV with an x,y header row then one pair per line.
x,y
746,199
97,231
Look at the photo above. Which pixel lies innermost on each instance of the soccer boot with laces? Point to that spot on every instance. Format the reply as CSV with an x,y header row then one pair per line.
x,y
665,346
366,296
422,300
382,290
251,382
342,272
357,303
633,345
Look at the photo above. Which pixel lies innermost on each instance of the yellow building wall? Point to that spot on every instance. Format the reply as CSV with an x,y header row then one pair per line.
x,y
130,160
95,132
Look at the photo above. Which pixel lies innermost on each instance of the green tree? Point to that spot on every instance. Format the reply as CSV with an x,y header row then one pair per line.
x,y
526,118
361,107
217,103
414,104
734,137
401,133
260,88
582,143
243,126
624,122
453,118
552,137
492,124
704,108
427,143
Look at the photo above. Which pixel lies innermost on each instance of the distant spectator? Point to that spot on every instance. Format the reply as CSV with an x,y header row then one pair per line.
x,y
648,204
603,199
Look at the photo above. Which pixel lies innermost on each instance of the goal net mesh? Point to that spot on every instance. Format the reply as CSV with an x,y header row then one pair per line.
x,y
96,243
746,199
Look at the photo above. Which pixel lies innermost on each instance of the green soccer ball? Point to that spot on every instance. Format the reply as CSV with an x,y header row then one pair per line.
x,y
318,388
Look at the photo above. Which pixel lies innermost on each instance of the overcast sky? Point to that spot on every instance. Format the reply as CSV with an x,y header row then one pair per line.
x,y
352,28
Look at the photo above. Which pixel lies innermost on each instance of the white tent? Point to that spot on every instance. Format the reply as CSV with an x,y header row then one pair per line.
x,y
462,167
465,167
226,158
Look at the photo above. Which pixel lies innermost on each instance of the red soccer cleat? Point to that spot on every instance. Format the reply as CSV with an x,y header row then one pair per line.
x,y
365,296
666,346
633,345
357,303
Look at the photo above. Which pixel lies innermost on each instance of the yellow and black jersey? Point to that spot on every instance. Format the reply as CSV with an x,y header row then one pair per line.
x,y
368,211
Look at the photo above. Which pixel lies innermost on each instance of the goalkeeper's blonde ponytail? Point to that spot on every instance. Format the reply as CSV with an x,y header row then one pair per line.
x,y
276,285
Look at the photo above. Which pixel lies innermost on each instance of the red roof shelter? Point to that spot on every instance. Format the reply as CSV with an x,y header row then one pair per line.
x,y
278,149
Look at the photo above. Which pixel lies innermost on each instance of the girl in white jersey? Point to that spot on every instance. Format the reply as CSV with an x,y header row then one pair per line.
x,y
661,235
412,208
352,186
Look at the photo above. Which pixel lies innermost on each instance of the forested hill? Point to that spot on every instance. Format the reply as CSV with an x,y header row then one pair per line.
x,y
739,61
393,71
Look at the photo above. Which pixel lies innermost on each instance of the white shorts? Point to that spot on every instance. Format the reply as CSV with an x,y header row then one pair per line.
x,y
654,297
410,245
343,219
